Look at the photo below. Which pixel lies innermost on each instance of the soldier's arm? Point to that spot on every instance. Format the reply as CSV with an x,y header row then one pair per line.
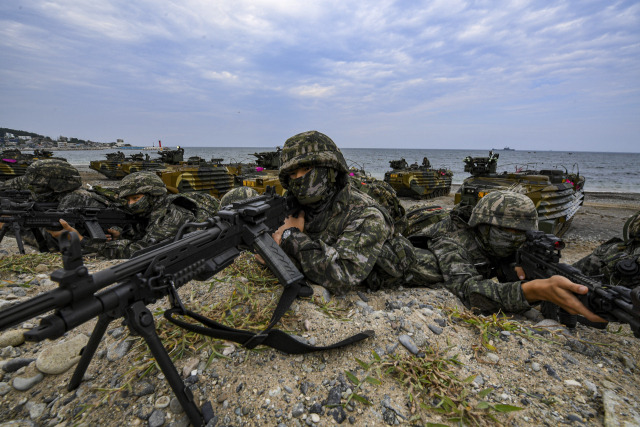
x,y
592,264
349,260
464,279
159,229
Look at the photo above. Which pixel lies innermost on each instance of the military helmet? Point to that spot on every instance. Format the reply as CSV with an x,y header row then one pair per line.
x,y
505,209
310,149
142,183
631,229
56,175
237,194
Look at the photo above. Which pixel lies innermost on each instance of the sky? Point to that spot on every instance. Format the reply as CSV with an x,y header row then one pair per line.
x,y
396,74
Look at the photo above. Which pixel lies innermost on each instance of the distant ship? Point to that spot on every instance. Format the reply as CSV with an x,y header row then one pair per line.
x,y
509,149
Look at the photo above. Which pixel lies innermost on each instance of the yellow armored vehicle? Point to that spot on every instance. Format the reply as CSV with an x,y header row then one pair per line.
x,y
196,174
418,181
14,163
556,193
263,174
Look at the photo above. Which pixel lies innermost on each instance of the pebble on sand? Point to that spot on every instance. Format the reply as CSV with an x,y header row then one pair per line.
x,y
60,357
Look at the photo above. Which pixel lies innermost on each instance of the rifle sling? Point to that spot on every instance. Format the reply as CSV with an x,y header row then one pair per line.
x,y
273,338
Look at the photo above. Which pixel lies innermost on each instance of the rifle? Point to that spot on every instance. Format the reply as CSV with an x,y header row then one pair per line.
x,y
159,272
16,196
33,216
539,256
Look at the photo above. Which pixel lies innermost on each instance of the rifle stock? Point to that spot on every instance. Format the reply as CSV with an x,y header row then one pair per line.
x,y
539,257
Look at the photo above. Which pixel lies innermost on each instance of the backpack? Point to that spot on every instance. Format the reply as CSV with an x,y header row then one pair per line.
x,y
386,196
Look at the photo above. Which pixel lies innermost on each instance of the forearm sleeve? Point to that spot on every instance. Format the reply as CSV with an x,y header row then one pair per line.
x,y
463,279
349,260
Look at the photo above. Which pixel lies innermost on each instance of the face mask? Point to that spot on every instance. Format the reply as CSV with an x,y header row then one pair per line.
x,y
505,243
143,206
311,187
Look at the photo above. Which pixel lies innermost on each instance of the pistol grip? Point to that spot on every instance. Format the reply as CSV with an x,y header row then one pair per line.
x,y
276,259
95,231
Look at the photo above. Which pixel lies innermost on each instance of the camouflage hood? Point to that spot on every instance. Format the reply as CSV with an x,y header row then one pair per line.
x,y
631,229
505,209
238,194
52,176
142,183
310,149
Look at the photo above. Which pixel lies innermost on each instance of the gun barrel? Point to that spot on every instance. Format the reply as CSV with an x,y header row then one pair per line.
x,y
34,307
192,241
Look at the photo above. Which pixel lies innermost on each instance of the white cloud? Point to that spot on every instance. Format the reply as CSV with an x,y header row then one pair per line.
x,y
313,91
224,76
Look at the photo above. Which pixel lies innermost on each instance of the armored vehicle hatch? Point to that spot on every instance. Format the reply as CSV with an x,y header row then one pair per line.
x,y
556,193
418,181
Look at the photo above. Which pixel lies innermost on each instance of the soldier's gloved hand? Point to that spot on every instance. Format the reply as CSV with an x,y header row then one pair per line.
x,y
65,227
560,291
291,221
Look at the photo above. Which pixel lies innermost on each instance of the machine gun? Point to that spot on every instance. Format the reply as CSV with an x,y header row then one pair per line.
x,y
155,274
34,215
539,256
11,198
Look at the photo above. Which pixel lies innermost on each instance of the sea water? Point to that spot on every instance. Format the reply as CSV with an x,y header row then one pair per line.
x,y
612,172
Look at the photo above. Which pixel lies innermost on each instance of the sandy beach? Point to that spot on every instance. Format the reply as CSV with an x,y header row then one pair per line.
x,y
550,374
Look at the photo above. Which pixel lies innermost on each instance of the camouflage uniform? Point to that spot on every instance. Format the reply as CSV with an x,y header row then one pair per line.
x,y
617,261
55,180
385,195
17,183
161,216
471,248
348,237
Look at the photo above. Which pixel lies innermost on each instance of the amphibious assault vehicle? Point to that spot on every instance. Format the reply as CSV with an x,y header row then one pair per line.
x,y
263,174
14,163
196,174
418,181
556,193
117,165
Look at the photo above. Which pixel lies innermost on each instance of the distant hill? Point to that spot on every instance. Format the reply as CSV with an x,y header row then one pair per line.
x,y
39,137
17,132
